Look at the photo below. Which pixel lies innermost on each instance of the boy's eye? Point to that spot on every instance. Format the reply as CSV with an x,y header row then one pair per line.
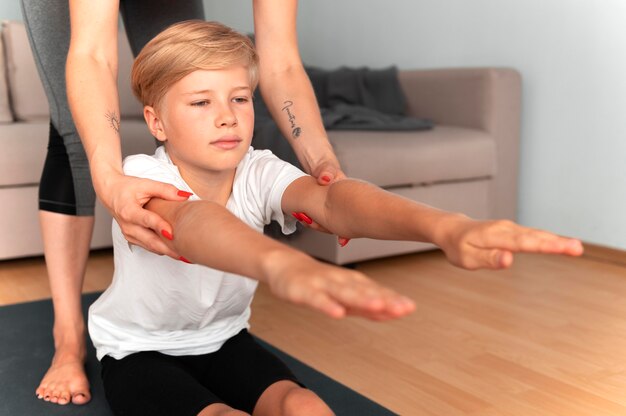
x,y
241,99
200,103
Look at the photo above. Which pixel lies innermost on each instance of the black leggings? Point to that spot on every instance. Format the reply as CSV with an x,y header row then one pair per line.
x,y
155,384
66,185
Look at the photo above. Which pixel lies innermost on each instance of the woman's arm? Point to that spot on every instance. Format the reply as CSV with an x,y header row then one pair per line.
x,y
208,234
91,74
287,90
357,209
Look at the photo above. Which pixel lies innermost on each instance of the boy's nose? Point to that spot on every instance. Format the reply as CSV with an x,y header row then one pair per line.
x,y
226,118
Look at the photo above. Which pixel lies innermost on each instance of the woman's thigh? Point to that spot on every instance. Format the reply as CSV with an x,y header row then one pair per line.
x,y
48,27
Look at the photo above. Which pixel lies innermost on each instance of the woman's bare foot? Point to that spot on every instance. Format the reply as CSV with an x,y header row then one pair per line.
x,y
66,381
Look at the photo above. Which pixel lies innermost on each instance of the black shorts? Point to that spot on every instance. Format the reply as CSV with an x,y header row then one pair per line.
x,y
151,383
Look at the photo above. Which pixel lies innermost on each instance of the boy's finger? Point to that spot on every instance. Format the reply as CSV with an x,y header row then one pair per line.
x,y
479,258
322,302
395,308
369,297
521,239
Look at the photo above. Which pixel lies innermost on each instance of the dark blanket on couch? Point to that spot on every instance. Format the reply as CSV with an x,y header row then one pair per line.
x,y
349,99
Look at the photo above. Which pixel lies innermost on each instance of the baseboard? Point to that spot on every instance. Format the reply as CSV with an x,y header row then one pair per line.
x,y
606,254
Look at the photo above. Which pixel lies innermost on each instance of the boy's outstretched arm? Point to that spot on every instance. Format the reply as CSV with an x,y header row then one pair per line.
x,y
353,208
207,233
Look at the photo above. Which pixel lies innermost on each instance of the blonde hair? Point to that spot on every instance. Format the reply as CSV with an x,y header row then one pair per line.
x,y
186,47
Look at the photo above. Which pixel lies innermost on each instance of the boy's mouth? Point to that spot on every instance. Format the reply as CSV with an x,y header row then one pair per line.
x,y
227,142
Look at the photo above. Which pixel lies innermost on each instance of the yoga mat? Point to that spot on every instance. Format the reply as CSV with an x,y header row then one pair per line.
x,y
26,348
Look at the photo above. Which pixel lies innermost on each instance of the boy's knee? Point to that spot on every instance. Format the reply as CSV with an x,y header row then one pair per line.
x,y
303,402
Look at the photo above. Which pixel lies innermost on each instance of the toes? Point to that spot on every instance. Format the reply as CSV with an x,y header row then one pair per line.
x,y
81,398
64,398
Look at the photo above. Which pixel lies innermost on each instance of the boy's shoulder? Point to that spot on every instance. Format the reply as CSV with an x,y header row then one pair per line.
x,y
256,162
262,169
142,165
261,156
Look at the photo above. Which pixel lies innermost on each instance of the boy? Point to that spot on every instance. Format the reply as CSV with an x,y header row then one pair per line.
x,y
172,336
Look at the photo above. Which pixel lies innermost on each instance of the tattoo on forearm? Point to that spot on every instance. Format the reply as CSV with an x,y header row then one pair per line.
x,y
114,121
295,130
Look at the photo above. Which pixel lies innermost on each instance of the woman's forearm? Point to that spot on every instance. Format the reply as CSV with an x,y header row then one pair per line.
x,y
286,88
93,100
291,101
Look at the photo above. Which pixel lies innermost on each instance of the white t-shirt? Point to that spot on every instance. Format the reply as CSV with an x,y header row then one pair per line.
x,y
156,303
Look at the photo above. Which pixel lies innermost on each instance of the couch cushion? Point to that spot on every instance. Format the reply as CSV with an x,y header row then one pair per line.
x,y
5,110
390,159
27,93
28,98
24,146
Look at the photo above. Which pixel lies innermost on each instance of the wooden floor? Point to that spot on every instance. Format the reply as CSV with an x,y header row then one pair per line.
x,y
547,337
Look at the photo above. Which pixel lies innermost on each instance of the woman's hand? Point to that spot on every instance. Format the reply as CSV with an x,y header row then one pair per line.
x,y
125,197
333,290
326,172
475,244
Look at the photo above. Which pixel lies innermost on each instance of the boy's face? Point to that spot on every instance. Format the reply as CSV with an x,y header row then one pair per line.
x,y
207,119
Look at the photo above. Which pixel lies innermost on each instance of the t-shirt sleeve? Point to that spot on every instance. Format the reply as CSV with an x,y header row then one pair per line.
x,y
266,177
149,167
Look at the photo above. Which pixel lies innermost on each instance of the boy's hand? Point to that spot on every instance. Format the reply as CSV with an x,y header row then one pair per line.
x,y
335,291
475,244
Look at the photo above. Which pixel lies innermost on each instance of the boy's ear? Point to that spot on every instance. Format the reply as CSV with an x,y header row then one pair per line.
x,y
154,123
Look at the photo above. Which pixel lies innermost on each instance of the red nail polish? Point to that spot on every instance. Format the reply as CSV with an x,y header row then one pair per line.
x,y
305,218
181,258
167,235
326,178
296,216
184,193
343,241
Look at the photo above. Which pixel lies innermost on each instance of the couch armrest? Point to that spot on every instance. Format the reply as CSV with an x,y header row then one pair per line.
x,y
487,99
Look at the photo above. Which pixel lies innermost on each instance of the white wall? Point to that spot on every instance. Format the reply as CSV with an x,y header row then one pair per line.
x,y
10,10
572,56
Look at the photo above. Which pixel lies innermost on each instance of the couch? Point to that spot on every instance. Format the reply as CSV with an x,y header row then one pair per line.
x,y
24,121
467,163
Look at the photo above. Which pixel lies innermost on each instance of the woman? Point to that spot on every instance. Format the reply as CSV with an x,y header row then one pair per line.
x,y
77,41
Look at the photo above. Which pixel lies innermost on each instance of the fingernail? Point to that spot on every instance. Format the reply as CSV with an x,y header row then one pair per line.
x,y
343,241
305,218
326,178
167,235
181,258
296,216
184,193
